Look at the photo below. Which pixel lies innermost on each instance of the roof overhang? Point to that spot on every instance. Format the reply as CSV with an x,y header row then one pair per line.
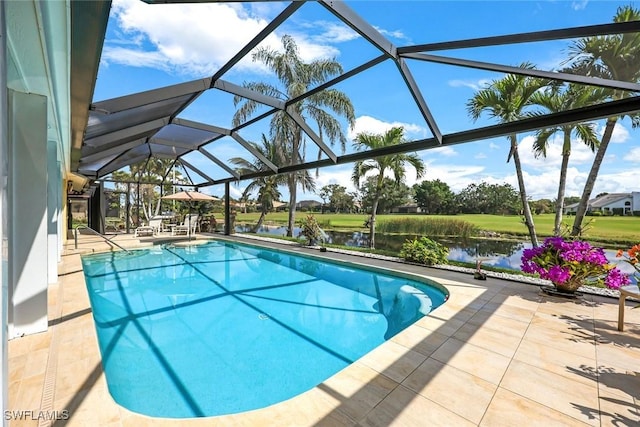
x,y
88,28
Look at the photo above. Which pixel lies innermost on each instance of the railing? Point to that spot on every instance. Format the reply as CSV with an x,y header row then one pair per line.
x,y
97,234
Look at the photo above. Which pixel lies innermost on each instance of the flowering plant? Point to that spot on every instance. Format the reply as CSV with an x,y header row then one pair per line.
x,y
571,264
632,256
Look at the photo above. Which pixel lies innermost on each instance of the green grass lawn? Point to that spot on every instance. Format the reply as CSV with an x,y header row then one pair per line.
x,y
612,230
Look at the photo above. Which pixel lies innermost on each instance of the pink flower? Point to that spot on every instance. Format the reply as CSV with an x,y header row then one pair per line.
x,y
562,261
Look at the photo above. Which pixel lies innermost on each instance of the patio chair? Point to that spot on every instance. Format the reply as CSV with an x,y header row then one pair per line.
x,y
151,229
188,226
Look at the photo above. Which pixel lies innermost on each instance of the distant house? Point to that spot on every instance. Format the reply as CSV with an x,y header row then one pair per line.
x,y
612,203
280,206
277,206
308,205
407,208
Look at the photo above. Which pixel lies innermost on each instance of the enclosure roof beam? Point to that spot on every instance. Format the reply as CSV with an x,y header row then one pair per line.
x,y
169,169
133,132
249,94
115,165
250,148
127,102
91,154
418,98
219,162
196,170
553,75
266,31
314,137
360,26
535,36
584,114
338,79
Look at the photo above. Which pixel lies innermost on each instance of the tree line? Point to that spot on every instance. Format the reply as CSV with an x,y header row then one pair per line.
x,y
432,197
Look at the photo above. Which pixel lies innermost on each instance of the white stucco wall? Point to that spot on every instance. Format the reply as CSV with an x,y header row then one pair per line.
x,y
617,204
635,204
35,63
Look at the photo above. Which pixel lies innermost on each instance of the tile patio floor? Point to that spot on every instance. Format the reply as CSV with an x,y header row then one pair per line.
x,y
498,353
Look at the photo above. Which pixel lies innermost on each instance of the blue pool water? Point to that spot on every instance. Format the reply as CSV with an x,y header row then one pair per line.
x,y
222,328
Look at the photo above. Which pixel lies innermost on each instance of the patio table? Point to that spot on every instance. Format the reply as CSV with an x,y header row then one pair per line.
x,y
626,292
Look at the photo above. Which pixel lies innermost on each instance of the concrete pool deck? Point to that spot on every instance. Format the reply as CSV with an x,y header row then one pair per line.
x,y
497,353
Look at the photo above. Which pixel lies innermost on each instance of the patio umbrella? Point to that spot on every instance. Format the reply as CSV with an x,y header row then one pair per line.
x,y
190,196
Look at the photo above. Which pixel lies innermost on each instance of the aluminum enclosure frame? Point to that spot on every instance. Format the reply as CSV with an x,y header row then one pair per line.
x,y
124,130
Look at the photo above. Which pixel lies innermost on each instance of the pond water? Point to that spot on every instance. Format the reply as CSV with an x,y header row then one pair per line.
x,y
493,252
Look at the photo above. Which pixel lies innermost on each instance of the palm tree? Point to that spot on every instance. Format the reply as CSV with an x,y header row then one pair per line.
x,y
296,78
151,171
505,99
611,57
394,163
267,186
555,101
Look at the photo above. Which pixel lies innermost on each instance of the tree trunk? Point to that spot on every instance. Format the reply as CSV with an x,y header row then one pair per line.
x,y
374,209
566,152
372,224
259,223
576,230
145,212
293,184
528,218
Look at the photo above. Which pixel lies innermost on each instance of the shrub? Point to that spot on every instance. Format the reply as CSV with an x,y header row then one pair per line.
x,y
424,251
618,211
594,213
310,229
636,213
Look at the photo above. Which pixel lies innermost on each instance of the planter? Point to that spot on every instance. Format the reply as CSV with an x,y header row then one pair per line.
x,y
566,290
568,287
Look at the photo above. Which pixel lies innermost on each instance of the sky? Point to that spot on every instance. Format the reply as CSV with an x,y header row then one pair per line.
x,y
152,46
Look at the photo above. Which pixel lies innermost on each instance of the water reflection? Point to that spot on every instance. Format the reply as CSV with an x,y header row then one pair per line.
x,y
497,253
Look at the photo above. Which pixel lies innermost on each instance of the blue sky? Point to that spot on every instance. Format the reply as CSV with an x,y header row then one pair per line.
x,y
151,46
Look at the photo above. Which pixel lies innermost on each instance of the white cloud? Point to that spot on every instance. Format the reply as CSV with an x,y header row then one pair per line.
x,y
396,34
473,84
456,176
480,156
579,4
494,146
368,124
340,175
619,182
544,185
620,133
309,50
444,151
633,155
580,153
193,39
331,32
135,58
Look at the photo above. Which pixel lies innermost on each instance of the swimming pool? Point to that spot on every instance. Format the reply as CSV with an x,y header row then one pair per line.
x,y
222,327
